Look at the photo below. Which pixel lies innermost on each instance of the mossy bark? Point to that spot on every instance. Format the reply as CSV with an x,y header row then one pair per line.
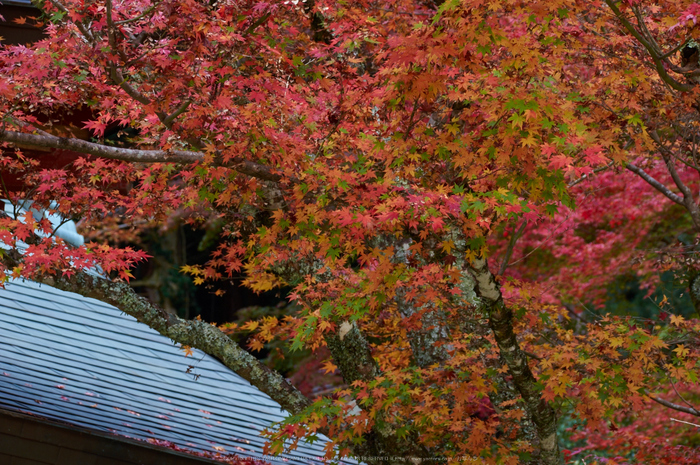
x,y
501,322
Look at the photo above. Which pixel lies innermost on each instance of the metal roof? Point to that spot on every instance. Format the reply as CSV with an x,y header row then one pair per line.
x,y
80,361
17,2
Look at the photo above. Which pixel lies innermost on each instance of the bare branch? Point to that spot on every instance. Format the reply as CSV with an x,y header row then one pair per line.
x,y
688,200
685,190
256,23
681,397
686,422
677,407
673,50
352,353
645,31
168,120
110,26
119,80
249,168
654,183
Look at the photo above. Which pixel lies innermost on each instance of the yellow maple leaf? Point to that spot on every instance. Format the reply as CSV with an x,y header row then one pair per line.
x,y
249,325
681,350
447,246
529,141
329,367
676,320
187,350
323,325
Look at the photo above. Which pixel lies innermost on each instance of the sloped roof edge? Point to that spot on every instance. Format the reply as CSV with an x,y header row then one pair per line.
x,y
80,361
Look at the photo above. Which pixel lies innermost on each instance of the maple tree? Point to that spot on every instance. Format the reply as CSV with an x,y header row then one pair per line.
x,y
444,187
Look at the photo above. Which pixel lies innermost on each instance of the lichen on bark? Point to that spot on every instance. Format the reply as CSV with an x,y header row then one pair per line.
x,y
501,323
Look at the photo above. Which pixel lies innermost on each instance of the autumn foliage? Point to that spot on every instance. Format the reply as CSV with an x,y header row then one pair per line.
x,y
448,191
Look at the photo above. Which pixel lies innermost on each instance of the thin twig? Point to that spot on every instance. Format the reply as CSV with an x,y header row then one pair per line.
x,y
686,422
595,315
586,176
81,27
654,53
531,355
643,27
657,140
409,126
511,245
546,239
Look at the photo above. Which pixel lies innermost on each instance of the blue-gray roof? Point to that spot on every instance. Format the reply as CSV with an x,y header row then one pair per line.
x,y
80,361
17,2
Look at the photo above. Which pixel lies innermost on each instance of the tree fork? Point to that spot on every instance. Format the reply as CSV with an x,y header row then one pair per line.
x,y
353,356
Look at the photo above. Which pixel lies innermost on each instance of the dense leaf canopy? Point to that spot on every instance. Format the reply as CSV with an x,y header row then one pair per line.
x,y
446,189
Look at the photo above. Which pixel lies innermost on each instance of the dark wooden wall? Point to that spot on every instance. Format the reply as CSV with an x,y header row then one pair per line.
x,y
14,33
27,440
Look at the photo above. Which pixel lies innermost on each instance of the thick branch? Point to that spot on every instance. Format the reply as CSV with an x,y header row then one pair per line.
x,y
119,80
501,321
654,183
677,407
353,355
168,120
249,168
348,343
351,352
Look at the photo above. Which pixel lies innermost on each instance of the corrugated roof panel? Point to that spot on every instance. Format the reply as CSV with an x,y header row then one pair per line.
x,y
130,393
72,360
80,361
124,391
